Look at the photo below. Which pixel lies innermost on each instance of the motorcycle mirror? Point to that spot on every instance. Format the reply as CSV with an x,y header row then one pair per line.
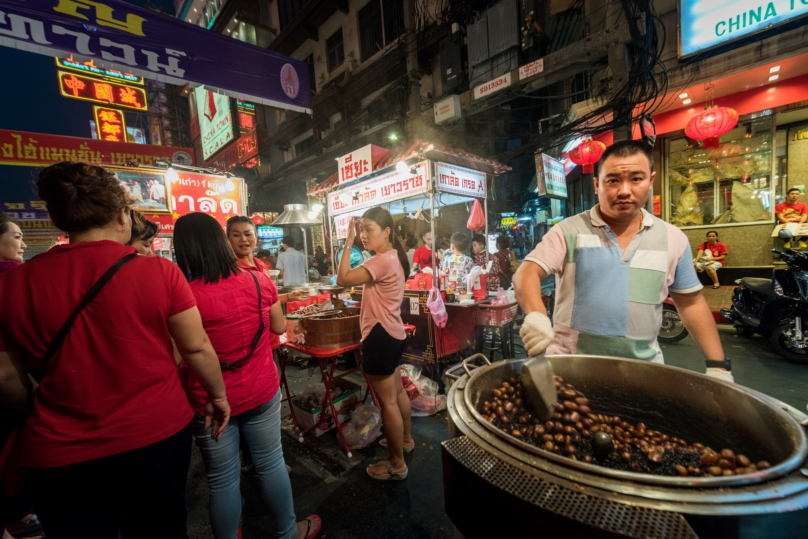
x,y
785,234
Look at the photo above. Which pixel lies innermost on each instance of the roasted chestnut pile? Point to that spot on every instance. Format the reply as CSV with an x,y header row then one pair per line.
x,y
576,432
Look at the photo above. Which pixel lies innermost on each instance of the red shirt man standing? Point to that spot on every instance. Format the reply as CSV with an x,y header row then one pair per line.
x,y
792,211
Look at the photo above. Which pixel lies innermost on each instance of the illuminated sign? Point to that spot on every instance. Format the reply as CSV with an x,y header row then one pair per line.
x,y
550,177
379,190
508,221
266,232
459,180
705,24
90,69
215,120
245,113
101,91
359,162
110,124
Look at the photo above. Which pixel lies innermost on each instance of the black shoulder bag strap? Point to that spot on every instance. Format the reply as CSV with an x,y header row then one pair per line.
x,y
261,327
57,341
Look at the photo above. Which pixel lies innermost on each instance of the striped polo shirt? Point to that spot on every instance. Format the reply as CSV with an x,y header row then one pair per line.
x,y
609,302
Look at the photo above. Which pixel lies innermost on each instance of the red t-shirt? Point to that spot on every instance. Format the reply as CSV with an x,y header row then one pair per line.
x,y
791,212
719,249
423,257
260,267
229,310
113,385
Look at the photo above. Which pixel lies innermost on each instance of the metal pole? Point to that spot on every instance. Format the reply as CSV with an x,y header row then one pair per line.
x,y
305,252
485,211
435,267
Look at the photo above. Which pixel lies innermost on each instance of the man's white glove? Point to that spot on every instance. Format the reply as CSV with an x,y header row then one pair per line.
x,y
536,332
721,374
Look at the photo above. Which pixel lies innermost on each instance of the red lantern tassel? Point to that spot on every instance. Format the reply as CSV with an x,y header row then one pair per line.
x,y
589,168
711,142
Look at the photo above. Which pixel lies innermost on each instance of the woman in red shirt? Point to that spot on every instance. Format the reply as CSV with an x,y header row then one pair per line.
x,y
106,442
236,306
383,337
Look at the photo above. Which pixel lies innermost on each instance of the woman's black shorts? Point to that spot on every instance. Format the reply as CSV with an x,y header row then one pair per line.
x,y
381,353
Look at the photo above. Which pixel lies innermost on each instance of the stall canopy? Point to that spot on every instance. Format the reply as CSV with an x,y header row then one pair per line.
x,y
117,35
424,150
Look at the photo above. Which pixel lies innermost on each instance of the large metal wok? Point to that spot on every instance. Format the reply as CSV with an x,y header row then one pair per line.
x,y
676,401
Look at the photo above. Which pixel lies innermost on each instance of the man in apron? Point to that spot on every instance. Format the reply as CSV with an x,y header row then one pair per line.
x,y
615,264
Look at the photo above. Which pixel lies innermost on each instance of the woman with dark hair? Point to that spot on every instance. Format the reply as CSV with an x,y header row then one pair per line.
x,y
503,259
109,433
383,336
710,257
143,233
235,305
12,247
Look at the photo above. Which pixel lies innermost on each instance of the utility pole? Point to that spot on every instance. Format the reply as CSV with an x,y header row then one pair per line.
x,y
411,52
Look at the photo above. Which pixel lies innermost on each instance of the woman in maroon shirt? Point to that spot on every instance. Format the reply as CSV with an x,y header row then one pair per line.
x,y
236,306
107,440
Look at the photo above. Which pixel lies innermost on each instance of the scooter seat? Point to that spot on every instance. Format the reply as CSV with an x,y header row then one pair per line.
x,y
761,286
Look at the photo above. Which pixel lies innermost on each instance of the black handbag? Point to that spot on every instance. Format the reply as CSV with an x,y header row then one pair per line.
x,y
57,341
261,327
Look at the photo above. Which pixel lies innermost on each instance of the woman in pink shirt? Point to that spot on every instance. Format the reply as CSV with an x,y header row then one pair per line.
x,y
383,336
238,308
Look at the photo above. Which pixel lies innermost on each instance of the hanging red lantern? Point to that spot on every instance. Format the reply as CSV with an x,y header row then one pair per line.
x,y
258,218
710,124
587,154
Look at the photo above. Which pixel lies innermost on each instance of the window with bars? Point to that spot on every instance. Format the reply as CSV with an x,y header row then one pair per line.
x,y
380,23
335,51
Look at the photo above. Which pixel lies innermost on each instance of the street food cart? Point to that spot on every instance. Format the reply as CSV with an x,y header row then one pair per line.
x,y
417,180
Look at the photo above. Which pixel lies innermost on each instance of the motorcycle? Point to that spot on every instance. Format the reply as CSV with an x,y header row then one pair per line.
x,y
775,308
672,329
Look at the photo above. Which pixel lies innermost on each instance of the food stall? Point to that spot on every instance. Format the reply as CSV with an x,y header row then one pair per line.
x,y
163,195
417,180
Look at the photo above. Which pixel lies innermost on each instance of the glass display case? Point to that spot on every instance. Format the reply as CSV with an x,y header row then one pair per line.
x,y
729,184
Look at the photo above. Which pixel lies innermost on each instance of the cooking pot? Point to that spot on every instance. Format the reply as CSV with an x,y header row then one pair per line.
x,y
675,401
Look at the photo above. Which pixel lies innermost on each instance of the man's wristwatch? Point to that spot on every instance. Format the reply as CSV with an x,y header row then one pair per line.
x,y
713,364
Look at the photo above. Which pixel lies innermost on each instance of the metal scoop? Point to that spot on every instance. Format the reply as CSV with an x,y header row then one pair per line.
x,y
539,387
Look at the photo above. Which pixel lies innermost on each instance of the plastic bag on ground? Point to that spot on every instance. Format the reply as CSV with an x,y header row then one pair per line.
x,y
364,427
437,308
427,401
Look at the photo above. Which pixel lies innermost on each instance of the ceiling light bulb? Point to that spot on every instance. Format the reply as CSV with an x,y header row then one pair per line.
x,y
683,96
317,207
774,77
402,167
235,20
228,31
775,69
686,101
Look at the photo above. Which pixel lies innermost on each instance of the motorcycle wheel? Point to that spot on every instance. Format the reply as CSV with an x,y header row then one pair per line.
x,y
779,339
673,329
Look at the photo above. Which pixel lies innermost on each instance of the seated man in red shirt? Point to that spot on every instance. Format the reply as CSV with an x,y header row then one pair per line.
x,y
423,254
792,211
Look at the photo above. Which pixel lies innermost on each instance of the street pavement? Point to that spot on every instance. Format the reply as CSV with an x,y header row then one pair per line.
x,y
352,506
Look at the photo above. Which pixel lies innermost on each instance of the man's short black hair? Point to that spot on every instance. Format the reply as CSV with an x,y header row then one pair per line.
x,y
263,254
289,241
793,189
460,241
627,148
479,238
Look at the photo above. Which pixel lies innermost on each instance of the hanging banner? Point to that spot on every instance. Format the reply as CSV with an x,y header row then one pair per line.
x,y
115,34
381,190
459,180
40,150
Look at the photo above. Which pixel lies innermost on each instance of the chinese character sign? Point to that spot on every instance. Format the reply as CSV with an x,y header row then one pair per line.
x,y
380,190
110,124
551,179
460,180
77,86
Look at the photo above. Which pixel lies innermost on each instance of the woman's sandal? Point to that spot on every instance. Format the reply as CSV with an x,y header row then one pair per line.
x,y
391,474
715,287
407,448
314,526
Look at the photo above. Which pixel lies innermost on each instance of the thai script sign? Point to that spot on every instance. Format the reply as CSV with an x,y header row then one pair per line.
x,y
381,190
459,180
359,163
114,34
533,68
38,149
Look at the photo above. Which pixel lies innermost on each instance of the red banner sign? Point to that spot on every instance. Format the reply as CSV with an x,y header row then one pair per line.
x,y
102,91
38,150
244,149
221,198
379,190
